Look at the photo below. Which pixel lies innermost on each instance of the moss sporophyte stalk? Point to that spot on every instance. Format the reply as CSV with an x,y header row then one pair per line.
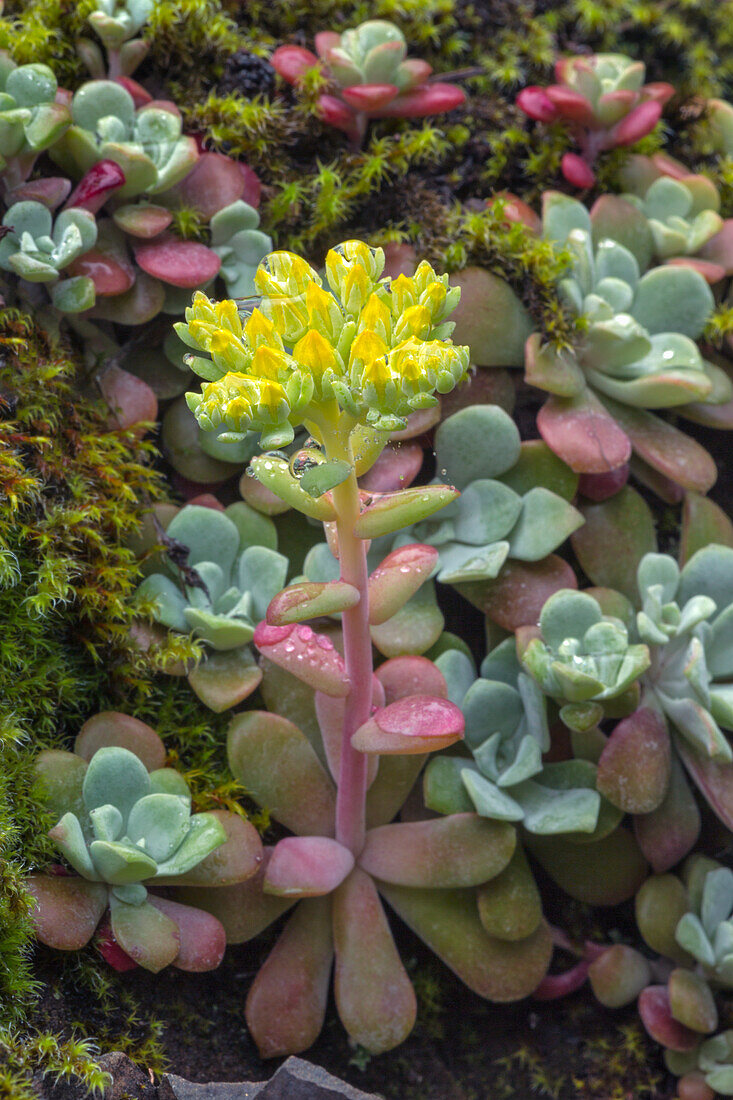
x,y
349,360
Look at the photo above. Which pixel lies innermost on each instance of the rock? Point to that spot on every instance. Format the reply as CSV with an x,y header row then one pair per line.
x,y
176,1088
296,1079
300,1080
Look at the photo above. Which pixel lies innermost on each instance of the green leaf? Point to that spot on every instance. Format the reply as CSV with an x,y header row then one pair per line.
x,y
326,475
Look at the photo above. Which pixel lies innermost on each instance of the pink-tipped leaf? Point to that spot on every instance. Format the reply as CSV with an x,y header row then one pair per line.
x,y
309,656
415,724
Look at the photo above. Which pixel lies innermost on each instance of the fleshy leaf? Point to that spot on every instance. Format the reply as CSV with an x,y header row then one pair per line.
x,y
148,936
67,909
309,656
307,866
414,724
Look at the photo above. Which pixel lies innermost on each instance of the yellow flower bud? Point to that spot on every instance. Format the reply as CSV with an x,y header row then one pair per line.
x,y
201,309
377,317
356,289
283,274
378,375
260,330
288,315
403,294
424,276
324,313
415,321
273,401
433,299
269,363
227,316
316,354
201,332
367,347
227,352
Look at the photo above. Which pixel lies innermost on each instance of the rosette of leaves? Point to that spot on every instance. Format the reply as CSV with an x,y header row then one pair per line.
x,y
116,22
583,658
432,873
508,734
30,118
374,77
514,501
126,825
636,352
38,248
146,143
685,921
603,101
219,575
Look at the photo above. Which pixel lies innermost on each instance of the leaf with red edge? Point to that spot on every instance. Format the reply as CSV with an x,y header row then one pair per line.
x,y
186,264
448,922
309,656
374,996
634,768
308,599
369,97
325,41
616,535
411,675
414,724
336,113
286,1003
141,97
719,249
243,909
398,578
711,273
307,867
110,276
49,190
428,99
714,781
598,487
395,468
143,220
660,92
611,216
236,860
703,522
214,182
535,102
95,187
138,305
552,369
110,727
666,448
656,1016
278,767
290,62
202,938
67,910
223,679
618,975
637,124
569,104
454,851
577,171
669,833
521,590
131,401
149,937
110,950
583,434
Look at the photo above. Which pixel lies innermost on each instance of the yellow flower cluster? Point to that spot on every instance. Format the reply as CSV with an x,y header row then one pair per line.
x,y
378,348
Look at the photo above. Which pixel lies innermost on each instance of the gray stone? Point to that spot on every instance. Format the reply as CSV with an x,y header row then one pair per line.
x,y
297,1079
176,1088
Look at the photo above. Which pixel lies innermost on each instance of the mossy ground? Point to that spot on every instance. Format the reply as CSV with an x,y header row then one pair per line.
x,y
72,490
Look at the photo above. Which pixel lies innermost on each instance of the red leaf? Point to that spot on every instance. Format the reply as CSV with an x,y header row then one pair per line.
x,y
369,97
576,171
430,99
581,432
181,263
535,102
292,61
109,276
93,190
637,124
570,104
656,1016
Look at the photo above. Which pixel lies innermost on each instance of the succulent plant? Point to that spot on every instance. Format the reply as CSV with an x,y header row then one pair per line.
x,y
30,118
38,249
579,656
507,732
637,352
287,367
217,584
337,892
706,931
116,22
127,825
147,142
373,77
604,103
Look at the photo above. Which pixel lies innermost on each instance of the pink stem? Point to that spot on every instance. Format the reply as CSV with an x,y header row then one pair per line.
x,y
352,783
114,65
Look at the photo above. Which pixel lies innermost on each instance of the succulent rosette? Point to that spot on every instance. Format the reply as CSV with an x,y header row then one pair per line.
x,y
30,118
126,825
38,248
373,76
604,102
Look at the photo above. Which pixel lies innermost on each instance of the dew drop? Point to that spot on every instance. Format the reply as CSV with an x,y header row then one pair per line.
x,y
667,354
289,647
250,472
305,459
